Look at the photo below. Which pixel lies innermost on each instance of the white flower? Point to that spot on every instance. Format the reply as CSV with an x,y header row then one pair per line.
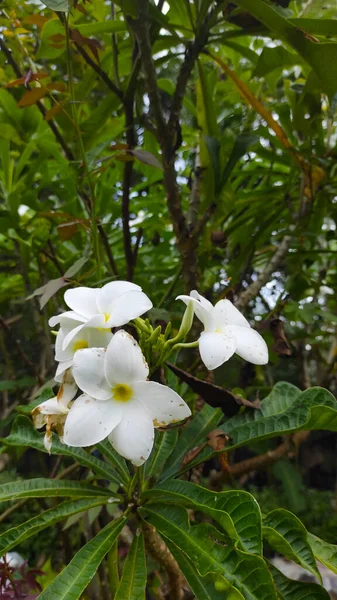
x,y
226,332
53,412
86,337
118,401
113,305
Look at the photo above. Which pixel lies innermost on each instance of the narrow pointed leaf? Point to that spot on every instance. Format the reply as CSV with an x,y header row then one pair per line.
x,y
115,459
43,487
163,447
133,581
24,434
75,577
14,536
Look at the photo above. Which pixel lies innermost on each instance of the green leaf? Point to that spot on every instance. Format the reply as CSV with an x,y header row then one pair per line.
x,y
164,444
321,57
115,459
110,26
241,145
288,536
297,590
14,536
326,27
48,48
210,552
133,581
290,477
42,487
236,511
202,587
57,5
75,577
274,58
24,434
324,552
195,433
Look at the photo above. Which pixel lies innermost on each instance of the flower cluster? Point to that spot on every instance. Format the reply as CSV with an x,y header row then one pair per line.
x,y
118,401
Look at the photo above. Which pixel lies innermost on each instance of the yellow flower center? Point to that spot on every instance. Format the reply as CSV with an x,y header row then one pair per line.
x,y
122,392
80,344
106,317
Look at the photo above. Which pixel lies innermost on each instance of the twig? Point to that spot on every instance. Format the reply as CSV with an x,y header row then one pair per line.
x,y
12,509
254,288
102,74
159,551
115,48
137,244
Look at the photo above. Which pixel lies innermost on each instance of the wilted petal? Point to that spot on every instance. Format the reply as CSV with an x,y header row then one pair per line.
x,y
111,291
133,437
203,313
126,307
250,345
66,319
51,407
164,405
216,348
68,389
225,314
124,361
90,421
82,300
88,372
61,367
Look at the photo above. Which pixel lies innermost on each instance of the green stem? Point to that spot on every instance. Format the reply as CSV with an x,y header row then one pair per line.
x,y
94,228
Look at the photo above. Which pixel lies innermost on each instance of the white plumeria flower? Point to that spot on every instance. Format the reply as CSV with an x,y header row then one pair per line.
x,y
113,305
226,332
118,401
53,412
86,337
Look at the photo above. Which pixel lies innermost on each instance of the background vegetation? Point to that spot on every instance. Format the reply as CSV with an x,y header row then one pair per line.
x,y
182,145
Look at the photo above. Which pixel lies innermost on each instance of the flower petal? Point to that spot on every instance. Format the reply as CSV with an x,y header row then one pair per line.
x,y
133,437
88,372
51,407
250,345
111,291
203,312
127,307
66,318
216,348
67,390
124,361
85,337
60,354
164,405
82,300
61,367
89,421
203,301
225,314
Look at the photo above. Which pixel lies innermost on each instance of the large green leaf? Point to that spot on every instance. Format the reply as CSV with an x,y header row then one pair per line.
x,y
115,459
41,488
211,553
236,511
324,552
58,5
24,434
133,581
75,577
164,445
288,536
14,536
321,57
297,590
284,411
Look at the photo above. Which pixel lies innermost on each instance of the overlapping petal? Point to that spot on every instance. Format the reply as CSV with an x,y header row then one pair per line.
x,y
82,300
133,437
225,313
163,404
61,368
216,348
89,374
128,306
124,361
90,421
203,312
250,345
66,319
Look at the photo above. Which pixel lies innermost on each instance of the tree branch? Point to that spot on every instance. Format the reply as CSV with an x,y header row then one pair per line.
x,y
254,288
159,551
102,74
